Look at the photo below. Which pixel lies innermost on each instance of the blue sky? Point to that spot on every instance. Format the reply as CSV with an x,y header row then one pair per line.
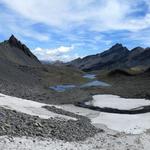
x,y
67,29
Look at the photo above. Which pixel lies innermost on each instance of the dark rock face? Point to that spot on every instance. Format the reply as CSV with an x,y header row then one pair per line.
x,y
116,57
14,51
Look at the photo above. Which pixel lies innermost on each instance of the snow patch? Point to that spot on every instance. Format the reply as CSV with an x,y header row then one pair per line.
x,y
29,107
113,101
130,124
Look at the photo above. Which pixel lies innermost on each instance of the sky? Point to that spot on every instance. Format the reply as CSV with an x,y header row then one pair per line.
x,y
67,29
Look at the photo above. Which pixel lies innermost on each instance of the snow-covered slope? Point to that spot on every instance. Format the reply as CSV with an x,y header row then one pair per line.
x,y
29,107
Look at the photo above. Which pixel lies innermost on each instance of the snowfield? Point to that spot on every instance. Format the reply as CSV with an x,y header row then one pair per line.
x,y
130,124
29,107
113,101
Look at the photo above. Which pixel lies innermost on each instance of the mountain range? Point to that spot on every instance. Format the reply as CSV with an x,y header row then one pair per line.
x,y
117,57
12,51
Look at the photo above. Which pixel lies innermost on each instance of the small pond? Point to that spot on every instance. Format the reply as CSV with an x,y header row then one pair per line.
x,y
90,76
62,88
94,83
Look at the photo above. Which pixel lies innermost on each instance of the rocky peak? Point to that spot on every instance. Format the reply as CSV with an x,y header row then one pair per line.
x,y
137,49
13,41
117,45
118,48
12,38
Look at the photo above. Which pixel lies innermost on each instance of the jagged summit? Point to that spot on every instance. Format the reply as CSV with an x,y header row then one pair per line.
x,y
118,47
14,51
14,41
12,37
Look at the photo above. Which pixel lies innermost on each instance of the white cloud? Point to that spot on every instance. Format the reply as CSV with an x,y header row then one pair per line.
x,y
99,15
61,53
81,22
11,23
63,49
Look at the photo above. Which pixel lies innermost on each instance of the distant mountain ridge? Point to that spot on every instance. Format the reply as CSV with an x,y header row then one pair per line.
x,y
14,51
117,57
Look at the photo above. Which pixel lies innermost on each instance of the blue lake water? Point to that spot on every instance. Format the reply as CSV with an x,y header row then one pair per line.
x,y
89,76
62,88
95,83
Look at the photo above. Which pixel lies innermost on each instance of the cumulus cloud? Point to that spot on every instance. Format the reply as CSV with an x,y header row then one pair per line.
x,y
11,23
61,53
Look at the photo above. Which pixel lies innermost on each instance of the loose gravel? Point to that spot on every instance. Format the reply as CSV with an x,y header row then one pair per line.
x,y
18,124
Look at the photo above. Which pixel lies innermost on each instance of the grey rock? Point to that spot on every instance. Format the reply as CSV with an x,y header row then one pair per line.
x,y
19,124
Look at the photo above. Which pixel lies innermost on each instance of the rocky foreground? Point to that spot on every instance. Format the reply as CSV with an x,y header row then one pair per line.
x,y
27,125
13,123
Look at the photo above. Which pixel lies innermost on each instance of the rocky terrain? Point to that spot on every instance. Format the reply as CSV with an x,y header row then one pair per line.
x,y
17,124
35,116
23,75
